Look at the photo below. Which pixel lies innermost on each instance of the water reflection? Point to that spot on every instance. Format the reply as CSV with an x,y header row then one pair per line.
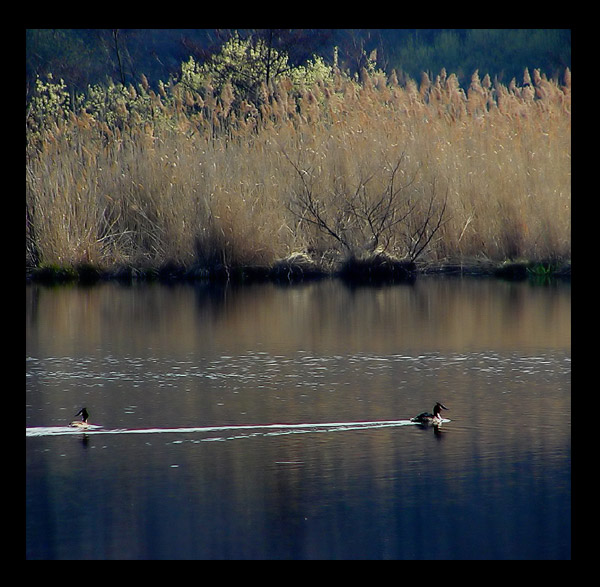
x,y
319,317
494,483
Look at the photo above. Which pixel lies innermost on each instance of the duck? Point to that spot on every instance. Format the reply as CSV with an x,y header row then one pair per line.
x,y
427,418
83,423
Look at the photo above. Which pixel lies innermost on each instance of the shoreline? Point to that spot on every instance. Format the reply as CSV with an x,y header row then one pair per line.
x,y
377,271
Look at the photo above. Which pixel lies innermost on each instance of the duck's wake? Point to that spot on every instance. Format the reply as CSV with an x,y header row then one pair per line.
x,y
244,430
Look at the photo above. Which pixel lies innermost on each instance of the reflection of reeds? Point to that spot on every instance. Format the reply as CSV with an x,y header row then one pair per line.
x,y
196,180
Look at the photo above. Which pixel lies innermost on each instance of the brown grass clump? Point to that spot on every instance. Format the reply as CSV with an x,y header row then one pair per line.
x,y
336,169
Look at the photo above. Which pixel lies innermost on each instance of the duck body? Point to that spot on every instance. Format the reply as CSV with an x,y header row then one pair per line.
x,y
427,418
83,423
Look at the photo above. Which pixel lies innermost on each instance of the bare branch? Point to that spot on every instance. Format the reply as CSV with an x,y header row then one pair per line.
x,y
358,215
416,250
310,209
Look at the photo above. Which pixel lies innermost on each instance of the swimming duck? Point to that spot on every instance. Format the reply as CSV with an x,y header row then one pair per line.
x,y
427,418
83,423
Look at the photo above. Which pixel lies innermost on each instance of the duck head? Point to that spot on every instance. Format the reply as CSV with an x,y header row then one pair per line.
x,y
438,408
83,413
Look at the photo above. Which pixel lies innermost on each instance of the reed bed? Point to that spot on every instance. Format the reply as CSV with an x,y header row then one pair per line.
x,y
334,169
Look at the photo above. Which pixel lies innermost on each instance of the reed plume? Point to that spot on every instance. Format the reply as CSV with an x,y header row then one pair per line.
x,y
198,175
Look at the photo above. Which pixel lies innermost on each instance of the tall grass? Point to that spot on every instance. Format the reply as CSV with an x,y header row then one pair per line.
x,y
337,168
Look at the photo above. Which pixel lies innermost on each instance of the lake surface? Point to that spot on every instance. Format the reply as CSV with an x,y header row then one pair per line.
x,y
272,422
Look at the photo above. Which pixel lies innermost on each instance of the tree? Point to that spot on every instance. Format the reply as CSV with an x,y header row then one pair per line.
x,y
245,64
248,66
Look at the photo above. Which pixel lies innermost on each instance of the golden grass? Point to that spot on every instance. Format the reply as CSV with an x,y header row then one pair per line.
x,y
197,181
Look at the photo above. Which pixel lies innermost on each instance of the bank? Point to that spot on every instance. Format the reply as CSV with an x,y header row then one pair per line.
x,y
377,269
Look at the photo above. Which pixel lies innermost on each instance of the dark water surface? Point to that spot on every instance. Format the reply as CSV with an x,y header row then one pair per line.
x,y
187,381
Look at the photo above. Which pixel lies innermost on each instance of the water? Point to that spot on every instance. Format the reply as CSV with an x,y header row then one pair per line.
x,y
269,422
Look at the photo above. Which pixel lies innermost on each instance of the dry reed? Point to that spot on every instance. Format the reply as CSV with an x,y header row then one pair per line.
x,y
196,179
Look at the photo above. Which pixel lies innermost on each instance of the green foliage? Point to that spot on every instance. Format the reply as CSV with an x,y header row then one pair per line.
x,y
315,70
246,66
239,79
51,102
543,273
541,269
244,63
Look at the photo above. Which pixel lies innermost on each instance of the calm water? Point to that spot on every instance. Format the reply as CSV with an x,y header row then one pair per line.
x,y
188,381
